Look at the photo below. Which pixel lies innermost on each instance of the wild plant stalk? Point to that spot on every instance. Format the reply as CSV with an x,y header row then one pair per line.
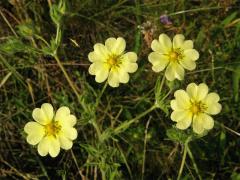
x,y
183,158
145,147
194,163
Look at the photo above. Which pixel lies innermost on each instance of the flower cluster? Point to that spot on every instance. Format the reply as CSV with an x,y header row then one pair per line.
x,y
112,64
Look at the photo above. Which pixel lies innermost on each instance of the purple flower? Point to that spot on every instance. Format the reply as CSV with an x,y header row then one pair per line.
x,y
164,19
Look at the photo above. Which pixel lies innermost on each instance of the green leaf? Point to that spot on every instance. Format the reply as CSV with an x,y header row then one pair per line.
x,y
236,81
14,45
27,29
235,176
58,11
228,19
177,135
90,149
181,136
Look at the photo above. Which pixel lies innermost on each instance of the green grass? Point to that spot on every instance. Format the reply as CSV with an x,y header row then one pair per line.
x,y
128,147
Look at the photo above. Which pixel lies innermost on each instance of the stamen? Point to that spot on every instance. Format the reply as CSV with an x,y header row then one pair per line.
x,y
197,107
52,129
173,55
114,61
176,55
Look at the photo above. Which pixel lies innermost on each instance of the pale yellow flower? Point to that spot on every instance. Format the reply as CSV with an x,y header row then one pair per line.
x,y
111,63
51,131
174,56
195,105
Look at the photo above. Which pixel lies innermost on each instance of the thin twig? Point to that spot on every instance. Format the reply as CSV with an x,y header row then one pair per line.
x,y
193,161
7,22
79,170
145,147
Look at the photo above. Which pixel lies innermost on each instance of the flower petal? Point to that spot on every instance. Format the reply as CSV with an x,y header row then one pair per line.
x,y
159,61
174,105
69,132
191,54
208,121
181,115
184,124
33,127
170,72
101,75
202,91
54,146
113,78
130,67
50,145
198,124
188,44
179,72
93,57
35,132
188,64
211,101
34,139
101,53
43,146
165,43
156,46
64,117
178,41
130,57
44,114
192,90
65,143
62,113
97,66
116,46
174,71
182,99
128,62
123,76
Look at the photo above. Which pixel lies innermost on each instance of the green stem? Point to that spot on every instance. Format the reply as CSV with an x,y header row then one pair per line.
x,y
9,25
184,158
162,82
193,161
126,124
69,80
96,126
102,169
42,39
95,123
101,93
57,35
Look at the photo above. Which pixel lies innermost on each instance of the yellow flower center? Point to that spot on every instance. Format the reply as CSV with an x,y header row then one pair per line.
x,y
175,55
53,128
197,107
114,61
